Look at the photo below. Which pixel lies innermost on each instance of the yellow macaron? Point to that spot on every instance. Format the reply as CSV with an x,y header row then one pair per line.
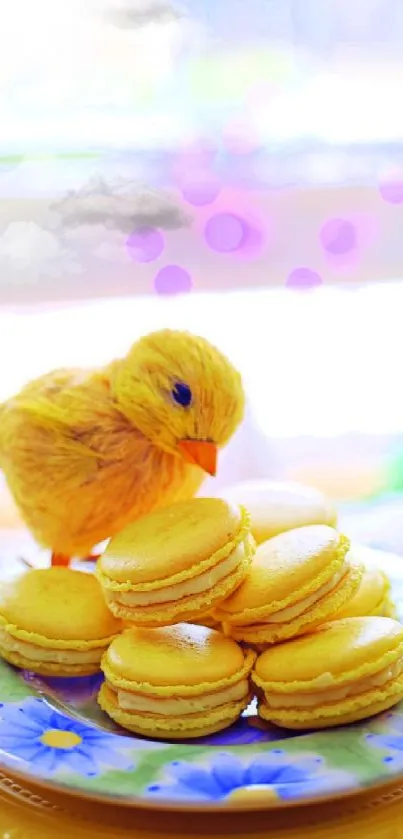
x,y
55,622
177,563
371,598
343,672
208,620
296,581
175,682
278,506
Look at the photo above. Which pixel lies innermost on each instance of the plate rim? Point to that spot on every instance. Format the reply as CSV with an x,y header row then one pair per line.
x,y
222,806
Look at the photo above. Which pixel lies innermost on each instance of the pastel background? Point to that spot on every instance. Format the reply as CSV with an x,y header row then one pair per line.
x,y
228,167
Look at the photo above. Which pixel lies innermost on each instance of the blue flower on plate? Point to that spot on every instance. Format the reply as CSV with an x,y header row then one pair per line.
x,y
50,741
273,774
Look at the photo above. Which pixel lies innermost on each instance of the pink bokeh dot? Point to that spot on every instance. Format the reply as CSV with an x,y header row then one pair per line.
x,y
338,236
225,232
172,279
392,191
145,244
303,279
200,188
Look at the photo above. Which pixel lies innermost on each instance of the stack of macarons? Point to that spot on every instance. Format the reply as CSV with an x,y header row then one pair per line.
x,y
188,619
176,565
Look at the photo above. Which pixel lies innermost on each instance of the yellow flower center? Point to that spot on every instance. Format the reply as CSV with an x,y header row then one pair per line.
x,y
254,794
60,739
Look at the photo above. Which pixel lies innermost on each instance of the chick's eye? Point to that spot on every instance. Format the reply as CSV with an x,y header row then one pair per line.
x,y
182,394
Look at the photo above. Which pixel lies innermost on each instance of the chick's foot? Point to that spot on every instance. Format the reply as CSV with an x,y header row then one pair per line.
x,y
59,560
63,561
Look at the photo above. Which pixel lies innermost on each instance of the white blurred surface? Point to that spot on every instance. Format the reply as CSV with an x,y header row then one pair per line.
x,y
322,364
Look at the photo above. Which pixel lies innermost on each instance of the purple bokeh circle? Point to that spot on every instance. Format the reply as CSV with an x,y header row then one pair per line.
x,y
303,279
392,191
200,189
225,232
172,279
338,236
145,244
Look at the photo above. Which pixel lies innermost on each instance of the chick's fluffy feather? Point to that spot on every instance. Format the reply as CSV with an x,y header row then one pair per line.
x,y
78,465
78,469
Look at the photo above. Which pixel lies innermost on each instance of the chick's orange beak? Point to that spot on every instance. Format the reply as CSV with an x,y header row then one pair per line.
x,y
201,452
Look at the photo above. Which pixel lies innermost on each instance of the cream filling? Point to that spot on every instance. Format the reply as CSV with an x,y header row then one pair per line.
x,y
308,700
176,706
45,654
196,585
291,612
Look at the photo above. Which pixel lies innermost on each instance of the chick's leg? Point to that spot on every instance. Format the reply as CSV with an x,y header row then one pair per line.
x,y
64,561
59,560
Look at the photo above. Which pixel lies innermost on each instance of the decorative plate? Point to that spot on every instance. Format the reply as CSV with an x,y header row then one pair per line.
x,y
53,733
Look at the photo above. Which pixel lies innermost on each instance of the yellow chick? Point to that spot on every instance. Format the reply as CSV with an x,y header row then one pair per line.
x,y
86,452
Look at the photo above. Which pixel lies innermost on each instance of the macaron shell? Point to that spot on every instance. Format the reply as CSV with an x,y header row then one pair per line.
x,y
337,653
174,656
187,608
52,604
175,728
346,711
371,596
208,620
321,612
47,668
284,570
170,542
277,506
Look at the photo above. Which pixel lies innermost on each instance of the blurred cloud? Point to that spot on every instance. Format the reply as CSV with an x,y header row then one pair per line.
x,y
136,13
120,204
29,253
